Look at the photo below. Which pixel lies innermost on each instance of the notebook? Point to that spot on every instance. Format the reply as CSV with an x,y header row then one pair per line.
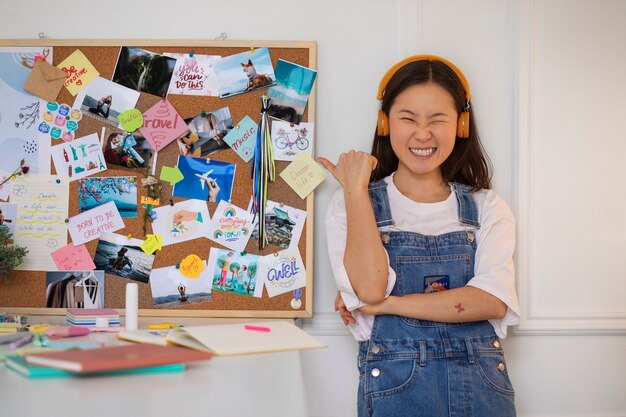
x,y
18,364
113,358
232,339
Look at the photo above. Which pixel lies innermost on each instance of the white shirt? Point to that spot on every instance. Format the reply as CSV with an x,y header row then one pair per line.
x,y
493,267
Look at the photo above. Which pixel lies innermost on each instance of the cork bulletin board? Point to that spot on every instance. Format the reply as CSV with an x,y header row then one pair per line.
x,y
25,292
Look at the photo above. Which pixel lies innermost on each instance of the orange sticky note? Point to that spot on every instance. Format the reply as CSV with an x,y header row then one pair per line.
x,y
191,267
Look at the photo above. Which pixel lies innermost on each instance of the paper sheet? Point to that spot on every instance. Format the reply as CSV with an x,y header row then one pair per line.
x,y
42,206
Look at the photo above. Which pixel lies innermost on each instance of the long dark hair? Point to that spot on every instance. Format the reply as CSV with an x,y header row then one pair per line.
x,y
468,163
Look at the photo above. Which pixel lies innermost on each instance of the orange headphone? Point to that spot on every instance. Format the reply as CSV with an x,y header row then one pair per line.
x,y
462,128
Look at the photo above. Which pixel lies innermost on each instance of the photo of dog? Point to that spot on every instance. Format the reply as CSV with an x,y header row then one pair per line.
x,y
244,72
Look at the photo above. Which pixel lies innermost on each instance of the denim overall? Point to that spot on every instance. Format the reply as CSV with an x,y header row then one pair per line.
x,y
423,368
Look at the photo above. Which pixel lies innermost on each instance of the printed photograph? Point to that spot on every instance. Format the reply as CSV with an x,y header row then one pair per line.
x,y
206,133
205,179
75,289
234,272
144,71
118,255
8,214
291,92
289,140
104,100
171,289
128,150
283,224
94,191
244,72
183,221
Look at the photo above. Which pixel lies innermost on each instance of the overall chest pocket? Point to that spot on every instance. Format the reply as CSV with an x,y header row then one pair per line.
x,y
419,274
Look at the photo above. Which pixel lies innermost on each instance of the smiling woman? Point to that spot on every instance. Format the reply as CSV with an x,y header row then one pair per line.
x,y
436,291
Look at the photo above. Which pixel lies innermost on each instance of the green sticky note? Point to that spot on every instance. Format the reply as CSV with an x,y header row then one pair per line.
x,y
171,174
130,120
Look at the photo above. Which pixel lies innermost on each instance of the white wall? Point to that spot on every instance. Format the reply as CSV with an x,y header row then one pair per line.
x,y
549,93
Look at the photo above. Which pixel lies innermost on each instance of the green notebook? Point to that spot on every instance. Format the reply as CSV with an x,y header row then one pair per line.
x,y
19,365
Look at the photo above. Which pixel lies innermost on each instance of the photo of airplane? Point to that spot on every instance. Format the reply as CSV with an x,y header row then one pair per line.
x,y
205,178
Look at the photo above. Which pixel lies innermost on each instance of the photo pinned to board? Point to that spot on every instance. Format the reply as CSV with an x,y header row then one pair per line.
x,y
205,179
59,121
206,133
95,191
231,226
291,92
82,289
79,158
234,272
128,150
283,272
193,75
283,224
104,100
182,221
8,216
144,71
20,111
289,140
171,289
121,256
244,72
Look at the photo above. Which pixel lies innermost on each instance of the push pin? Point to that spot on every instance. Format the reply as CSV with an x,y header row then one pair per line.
x,y
171,202
177,266
190,54
243,253
252,49
202,113
237,127
291,124
128,236
67,220
58,181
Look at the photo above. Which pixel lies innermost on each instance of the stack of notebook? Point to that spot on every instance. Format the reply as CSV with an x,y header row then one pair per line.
x,y
87,316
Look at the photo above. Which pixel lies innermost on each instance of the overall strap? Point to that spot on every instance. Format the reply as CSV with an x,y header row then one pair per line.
x,y
468,212
380,203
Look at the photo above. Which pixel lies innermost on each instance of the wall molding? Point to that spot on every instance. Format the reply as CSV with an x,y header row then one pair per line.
x,y
536,319
325,324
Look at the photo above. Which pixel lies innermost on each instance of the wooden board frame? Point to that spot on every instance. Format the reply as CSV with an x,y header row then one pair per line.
x,y
199,47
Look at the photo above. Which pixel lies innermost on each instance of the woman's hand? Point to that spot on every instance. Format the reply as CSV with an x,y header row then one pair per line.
x,y
353,169
214,190
340,306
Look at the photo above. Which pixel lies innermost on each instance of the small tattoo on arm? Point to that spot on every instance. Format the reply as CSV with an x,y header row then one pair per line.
x,y
459,308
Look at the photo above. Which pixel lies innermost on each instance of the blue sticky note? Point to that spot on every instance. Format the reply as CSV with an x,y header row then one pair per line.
x,y
242,139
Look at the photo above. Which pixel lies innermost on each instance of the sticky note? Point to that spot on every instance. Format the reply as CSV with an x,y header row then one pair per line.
x,y
303,175
130,120
242,139
191,267
162,124
152,244
73,258
171,174
80,72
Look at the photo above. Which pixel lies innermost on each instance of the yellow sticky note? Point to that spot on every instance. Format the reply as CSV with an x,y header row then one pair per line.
x,y
80,72
191,267
151,244
130,120
303,174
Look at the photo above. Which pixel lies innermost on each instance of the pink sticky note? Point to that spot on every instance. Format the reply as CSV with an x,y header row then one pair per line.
x,y
162,124
73,258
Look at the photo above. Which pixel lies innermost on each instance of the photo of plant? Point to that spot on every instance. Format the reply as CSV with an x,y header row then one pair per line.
x,y
144,71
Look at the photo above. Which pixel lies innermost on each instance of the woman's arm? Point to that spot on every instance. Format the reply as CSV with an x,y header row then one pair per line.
x,y
365,259
458,305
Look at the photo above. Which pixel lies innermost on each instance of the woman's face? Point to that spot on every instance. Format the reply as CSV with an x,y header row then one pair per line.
x,y
422,126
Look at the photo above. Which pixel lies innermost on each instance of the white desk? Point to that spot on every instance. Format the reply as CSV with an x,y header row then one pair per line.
x,y
237,386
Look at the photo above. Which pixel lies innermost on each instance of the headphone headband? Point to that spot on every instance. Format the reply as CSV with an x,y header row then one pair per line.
x,y
391,71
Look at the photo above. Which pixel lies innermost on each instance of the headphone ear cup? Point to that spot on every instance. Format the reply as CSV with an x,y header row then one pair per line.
x,y
462,127
382,128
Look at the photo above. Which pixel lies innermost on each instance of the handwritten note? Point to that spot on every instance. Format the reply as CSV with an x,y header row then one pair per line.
x,y
162,124
80,71
243,138
130,120
303,175
191,266
88,225
73,258
193,75
42,205
152,244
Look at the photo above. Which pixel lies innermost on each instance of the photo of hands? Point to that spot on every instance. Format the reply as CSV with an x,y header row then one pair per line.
x,y
205,179
183,221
